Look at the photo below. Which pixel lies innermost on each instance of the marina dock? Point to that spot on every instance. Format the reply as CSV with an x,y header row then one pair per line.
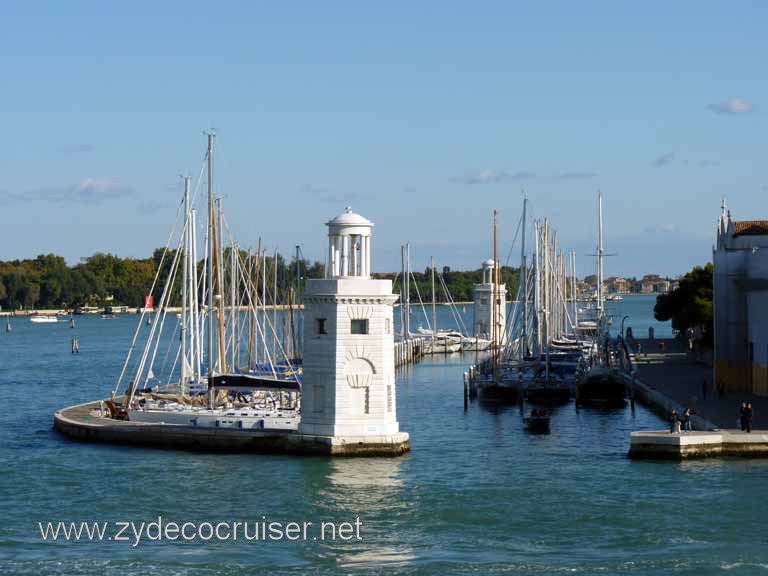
x,y
662,445
85,423
670,377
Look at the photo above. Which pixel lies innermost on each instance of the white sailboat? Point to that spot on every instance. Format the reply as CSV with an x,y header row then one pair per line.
x,y
188,385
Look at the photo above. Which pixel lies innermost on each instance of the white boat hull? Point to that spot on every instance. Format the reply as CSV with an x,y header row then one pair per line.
x,y
43,319
441,347
203,418
475,344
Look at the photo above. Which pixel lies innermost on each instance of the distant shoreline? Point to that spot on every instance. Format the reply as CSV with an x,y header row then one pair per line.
x,y
270,307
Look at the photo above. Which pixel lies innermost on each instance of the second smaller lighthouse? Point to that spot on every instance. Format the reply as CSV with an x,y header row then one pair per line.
x,y
484,308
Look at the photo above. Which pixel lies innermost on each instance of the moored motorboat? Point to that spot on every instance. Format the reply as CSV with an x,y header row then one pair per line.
x,y
440,342
43,319
537,421
473,344
549,394
601,387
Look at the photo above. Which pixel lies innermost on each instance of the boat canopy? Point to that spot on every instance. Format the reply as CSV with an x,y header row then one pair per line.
x,y
252,382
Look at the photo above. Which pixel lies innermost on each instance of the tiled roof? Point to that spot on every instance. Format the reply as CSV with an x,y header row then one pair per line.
x,y
750,228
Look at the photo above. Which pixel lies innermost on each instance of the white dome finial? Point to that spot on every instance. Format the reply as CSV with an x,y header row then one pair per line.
x,y
349,246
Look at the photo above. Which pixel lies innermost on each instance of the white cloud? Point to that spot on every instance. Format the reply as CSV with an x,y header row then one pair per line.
x,y
732,106
664,159
88,191
491,177
576,175
327,195
661,229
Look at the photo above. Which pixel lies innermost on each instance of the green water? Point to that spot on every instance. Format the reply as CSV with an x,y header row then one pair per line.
x,y
477,495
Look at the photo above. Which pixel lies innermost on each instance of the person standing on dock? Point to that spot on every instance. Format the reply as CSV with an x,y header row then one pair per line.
x,y
687,420
675,418
748,413
743,416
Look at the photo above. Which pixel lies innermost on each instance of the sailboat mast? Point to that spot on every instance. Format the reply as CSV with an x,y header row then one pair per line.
x,y
408,290
547,295
197,345
264,302
211,246
249,301
217,234
274,308
524,280
232,302
292,324
300,323
434,309
494,294
555,268
600,305
537,285
184,286
402,290
573,291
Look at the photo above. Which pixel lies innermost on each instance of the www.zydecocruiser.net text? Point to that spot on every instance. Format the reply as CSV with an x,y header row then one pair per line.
x,y
261,530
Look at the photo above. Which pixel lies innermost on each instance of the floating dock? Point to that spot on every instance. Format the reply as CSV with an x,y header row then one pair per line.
x,y
662,445
84,423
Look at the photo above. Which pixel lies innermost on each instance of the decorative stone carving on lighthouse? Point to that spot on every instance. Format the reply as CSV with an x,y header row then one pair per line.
x,y
348,386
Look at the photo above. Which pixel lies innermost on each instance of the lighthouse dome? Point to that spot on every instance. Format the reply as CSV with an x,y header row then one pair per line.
x,y
349,246
349,218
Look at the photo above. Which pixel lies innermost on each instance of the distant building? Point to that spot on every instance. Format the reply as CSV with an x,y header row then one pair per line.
x,y
654,284
615,285
741,305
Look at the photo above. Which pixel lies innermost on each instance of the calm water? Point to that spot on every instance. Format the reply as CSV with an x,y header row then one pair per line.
x,y
476,495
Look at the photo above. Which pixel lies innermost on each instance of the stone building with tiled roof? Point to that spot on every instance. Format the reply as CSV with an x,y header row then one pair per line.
x,y
740,259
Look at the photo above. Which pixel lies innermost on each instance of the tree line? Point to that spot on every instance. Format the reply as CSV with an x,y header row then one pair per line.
x,y
48,282
460,284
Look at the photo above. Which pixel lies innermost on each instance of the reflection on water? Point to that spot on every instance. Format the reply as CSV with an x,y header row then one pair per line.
x,y
354,484
371,490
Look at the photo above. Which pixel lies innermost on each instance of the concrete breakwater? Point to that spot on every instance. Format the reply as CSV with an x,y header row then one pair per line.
x,y
662,445
85,422
663,405
668,377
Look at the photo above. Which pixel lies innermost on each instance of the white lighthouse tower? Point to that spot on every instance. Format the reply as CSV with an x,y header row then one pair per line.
x,y
348,386
484,309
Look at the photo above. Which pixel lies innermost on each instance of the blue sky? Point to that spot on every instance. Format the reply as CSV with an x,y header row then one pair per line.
x,y
423,116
